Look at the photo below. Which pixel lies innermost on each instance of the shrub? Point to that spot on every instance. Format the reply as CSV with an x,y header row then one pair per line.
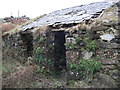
x,y
85,67
44,63
89,66
38,56
70,45
78,40
90,44
82,44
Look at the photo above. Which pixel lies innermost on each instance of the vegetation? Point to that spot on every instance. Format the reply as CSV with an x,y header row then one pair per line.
x,y
70,45
43,62
6,27
82,44
90,45
41,40
16,73
39,58
20,23
85,67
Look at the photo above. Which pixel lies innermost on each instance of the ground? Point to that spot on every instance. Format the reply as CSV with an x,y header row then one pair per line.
x,y
17,75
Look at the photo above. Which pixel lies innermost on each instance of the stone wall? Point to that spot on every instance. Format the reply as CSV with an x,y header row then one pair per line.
x,y
12,48
95,39
106,34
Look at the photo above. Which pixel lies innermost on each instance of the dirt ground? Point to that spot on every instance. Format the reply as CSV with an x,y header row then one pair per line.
x,y
26,77
18,75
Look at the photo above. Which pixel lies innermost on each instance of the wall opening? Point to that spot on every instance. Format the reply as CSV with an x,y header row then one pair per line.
x,y
27,39
59,51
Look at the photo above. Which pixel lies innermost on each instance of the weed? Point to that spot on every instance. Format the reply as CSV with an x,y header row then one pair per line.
x,y
89,66
40,70
50,61
44,63
39,56
71,82
82,44
41,40
5,69
90,44
85,67
78,40
70,45
50,46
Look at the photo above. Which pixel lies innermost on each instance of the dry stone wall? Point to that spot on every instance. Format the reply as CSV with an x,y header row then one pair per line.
x,y
95,40
12,48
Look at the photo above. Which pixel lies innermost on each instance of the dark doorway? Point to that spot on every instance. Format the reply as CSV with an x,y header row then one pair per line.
x,y
27,39
59,51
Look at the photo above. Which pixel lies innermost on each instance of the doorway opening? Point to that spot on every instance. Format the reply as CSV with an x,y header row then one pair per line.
x,y
59,51
27,44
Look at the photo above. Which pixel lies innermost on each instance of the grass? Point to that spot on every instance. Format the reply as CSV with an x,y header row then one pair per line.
x,y
109,14
17,28
10,66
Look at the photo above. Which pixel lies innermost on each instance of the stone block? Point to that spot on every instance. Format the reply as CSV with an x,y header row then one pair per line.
x,y
72,55
107,80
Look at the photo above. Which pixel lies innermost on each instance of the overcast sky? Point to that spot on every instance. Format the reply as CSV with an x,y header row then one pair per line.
x,y
34,8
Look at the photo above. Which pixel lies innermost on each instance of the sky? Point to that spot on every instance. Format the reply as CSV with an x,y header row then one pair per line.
x,y
34,8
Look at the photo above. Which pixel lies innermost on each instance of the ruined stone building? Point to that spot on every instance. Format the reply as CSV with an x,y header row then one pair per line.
x,y
62,36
